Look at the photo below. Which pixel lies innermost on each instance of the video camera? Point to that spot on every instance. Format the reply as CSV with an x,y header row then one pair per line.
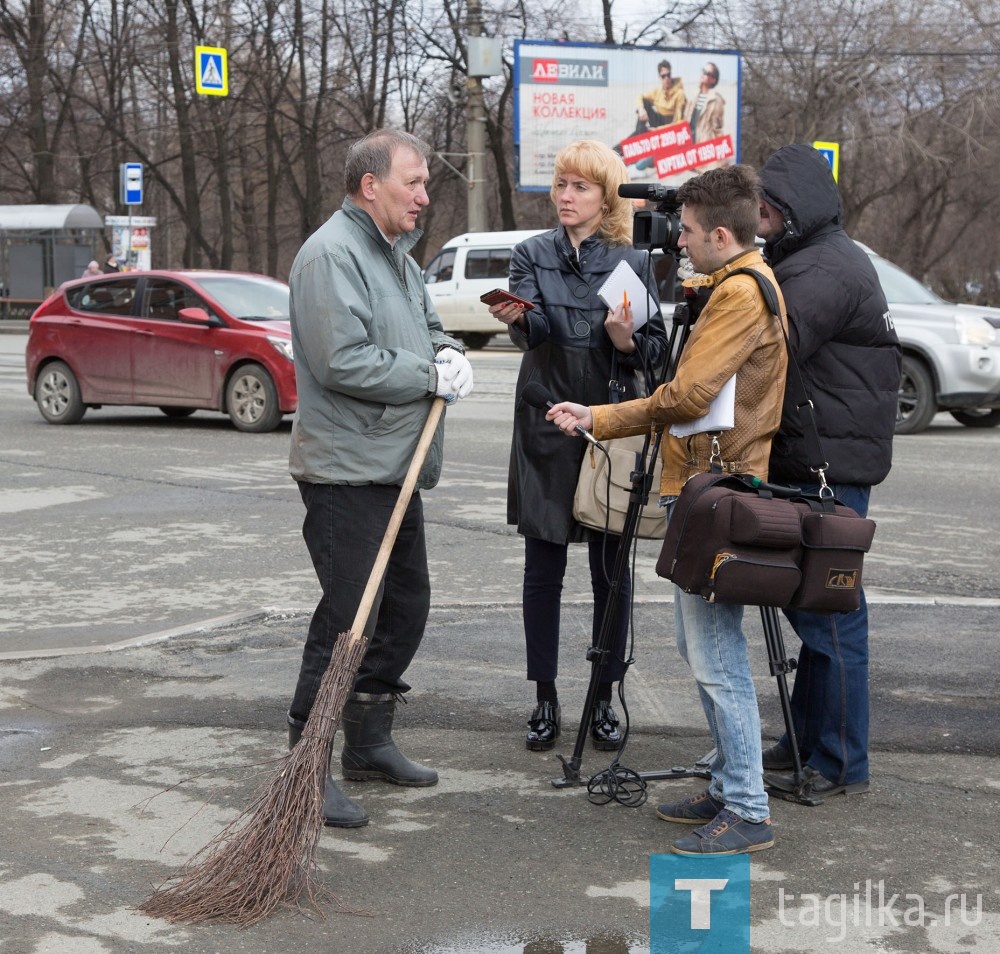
x,y
660,228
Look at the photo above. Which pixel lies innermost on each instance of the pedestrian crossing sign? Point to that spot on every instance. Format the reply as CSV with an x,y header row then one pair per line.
x,y
830,151
211,72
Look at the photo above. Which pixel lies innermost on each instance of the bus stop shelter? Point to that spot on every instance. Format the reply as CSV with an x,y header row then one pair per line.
x,y
42,246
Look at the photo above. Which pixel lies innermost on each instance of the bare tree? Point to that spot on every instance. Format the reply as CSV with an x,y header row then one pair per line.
x,y
909,89
894,85
45,40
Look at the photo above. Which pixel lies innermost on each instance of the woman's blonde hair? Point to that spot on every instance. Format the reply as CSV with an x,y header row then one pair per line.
x,y
596,162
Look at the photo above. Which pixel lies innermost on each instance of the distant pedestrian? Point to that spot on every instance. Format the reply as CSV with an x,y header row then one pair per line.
x,y
91,270
111,265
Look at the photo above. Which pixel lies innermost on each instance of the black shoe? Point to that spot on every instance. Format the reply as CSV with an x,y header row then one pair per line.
x,y
543,727
777,759
604,728
813,784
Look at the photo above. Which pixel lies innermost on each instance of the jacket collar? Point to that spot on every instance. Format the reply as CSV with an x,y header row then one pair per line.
x,y
593,248
358,215
747,259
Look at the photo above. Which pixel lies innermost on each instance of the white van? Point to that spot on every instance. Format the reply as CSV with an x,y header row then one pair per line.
x,y
468,266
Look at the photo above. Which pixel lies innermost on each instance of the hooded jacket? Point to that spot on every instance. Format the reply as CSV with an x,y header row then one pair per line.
x,y
567,350
838,325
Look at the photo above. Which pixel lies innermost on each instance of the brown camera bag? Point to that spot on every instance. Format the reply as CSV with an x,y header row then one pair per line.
x,y
734,539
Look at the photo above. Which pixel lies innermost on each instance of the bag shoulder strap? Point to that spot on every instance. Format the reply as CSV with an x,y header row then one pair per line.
x,y
795,384
766,288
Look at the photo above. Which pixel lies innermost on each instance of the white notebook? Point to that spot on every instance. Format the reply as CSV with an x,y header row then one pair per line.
x,y
720,417
623,280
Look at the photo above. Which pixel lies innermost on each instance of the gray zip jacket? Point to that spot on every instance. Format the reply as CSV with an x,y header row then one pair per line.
x,y
364,333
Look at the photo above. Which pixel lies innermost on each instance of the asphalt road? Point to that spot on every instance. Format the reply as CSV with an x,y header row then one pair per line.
x,y
130,524
117,766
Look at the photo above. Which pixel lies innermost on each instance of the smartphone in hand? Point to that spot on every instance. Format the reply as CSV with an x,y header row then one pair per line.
x,y
500,297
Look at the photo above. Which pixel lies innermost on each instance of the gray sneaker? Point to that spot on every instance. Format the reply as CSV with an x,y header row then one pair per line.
x,y
726,834
693,810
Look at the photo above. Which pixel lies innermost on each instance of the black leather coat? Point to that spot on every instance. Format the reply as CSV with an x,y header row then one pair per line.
x,y
838,325
567,350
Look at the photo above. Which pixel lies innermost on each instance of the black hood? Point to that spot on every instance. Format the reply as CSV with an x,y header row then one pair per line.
x,y
798,181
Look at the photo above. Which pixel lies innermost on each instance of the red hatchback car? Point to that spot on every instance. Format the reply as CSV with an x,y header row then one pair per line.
x,y
178,341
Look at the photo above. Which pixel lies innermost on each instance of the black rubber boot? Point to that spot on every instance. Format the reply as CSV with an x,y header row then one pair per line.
x,y
369,752
339,811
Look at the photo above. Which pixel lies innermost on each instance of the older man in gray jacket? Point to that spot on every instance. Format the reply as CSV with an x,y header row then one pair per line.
x,y
370,356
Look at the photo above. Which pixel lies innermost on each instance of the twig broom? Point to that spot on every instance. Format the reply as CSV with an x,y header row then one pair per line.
x,y
266,858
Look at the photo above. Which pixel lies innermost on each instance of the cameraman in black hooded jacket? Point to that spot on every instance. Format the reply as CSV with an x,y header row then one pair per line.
x,y
844,342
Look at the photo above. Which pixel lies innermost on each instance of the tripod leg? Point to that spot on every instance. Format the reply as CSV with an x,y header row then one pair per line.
x,y
598,653
780,666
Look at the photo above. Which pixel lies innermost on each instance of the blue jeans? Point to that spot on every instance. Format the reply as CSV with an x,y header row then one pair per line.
x,y
343,530
710,638
830,692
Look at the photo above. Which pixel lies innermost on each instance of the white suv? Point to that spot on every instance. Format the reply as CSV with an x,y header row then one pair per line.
x,y
951,354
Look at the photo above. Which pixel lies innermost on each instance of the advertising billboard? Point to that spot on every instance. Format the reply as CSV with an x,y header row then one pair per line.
x,y
670,113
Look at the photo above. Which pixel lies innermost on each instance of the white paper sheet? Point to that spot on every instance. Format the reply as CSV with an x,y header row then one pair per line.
x,y
720,417
623,280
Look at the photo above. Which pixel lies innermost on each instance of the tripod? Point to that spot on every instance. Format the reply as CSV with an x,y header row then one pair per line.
x,y
779,663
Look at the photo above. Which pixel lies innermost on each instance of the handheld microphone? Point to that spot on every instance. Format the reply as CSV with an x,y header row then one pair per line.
x,y
537,395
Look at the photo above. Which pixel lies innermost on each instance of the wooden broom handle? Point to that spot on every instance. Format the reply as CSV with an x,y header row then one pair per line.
x,y
396,520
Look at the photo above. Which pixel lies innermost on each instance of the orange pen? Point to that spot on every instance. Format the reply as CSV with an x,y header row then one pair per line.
x,y
625,298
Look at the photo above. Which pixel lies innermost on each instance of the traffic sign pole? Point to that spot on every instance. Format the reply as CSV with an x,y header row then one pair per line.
x,y
131,195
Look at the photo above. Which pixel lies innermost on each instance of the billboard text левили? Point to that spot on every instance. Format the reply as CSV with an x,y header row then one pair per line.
x,y
669,113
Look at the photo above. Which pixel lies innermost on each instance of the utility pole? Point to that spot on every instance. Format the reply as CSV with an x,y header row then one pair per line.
x,y
475,128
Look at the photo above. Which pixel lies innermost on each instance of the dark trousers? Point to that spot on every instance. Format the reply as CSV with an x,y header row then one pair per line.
x,y
830,692
343,531
544,569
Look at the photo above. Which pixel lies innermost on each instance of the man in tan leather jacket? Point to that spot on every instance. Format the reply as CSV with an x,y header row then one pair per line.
x,y
735,334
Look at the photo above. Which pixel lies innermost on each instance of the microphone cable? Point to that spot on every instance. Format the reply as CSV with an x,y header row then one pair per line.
x,y
618,783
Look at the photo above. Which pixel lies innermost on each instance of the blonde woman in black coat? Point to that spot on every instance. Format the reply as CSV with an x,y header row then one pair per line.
x,y
573,346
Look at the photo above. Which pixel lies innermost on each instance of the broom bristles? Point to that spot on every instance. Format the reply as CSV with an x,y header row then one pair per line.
x,y
266,857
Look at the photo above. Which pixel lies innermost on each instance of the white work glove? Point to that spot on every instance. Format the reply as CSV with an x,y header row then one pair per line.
x,y
445,388
458,371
